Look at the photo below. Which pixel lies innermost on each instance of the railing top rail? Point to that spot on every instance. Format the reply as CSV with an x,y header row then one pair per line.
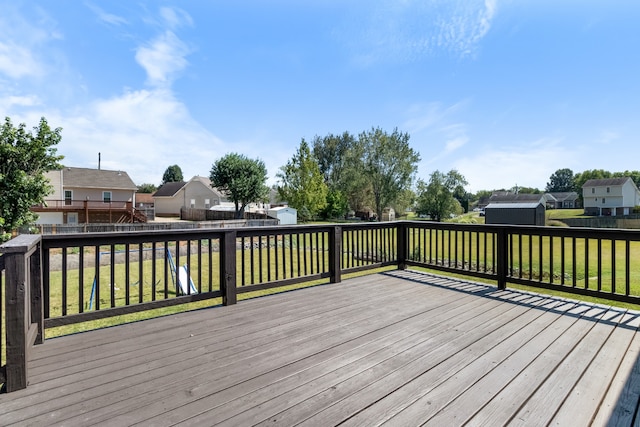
x,y
605,233
22,243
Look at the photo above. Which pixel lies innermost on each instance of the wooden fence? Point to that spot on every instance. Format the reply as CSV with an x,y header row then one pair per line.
x,y
55,280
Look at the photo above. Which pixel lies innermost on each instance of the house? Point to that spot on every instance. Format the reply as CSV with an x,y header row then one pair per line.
x,y
564,200
196,193
83,196
610,196
530,213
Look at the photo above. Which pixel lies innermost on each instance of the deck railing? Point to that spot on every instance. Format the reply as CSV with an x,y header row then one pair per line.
x,y
57,280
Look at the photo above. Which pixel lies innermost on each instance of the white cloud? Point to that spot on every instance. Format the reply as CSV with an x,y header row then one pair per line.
x,y
108,18
175,18
8,102
528,165
141,132
17,61
407,30
22,42
163,58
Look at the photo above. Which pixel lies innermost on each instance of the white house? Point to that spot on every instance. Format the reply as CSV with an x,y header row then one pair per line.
x,y
610,196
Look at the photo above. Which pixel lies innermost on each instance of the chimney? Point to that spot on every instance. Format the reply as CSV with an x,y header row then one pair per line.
x,y
98,161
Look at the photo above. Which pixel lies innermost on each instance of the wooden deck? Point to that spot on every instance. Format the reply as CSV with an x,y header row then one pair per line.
x,y
400,348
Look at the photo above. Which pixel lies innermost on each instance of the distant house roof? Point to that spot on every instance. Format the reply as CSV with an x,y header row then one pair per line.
x,y
605,182
561,197
169,189
97,178
531,205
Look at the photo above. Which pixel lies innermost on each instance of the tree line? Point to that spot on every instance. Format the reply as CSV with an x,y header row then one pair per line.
x,y
326,178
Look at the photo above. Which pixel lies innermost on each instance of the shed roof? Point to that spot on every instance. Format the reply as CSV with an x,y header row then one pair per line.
x,y
605,182
512,205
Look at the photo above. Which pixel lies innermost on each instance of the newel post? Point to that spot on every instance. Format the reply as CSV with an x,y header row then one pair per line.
x,y
228,267
335,254
23,315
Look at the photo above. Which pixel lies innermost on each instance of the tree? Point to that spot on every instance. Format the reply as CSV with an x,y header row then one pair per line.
x,y
147,188
331,154
337,205
436,198
241,179
172,174
560,181
302,184
389,164
339,158
25,157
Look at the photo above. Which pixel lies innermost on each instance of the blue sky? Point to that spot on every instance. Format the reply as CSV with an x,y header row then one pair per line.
x,y
506,92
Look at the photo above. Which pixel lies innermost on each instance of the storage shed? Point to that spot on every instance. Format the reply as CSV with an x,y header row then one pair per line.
x,y
285,214
515,213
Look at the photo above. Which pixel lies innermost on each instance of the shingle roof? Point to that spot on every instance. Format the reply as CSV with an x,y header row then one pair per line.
x,y
169,189
605,182
571,195
96,178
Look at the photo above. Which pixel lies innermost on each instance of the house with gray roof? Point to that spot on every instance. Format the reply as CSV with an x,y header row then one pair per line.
x,y
89,196
562,200
197,193
610,196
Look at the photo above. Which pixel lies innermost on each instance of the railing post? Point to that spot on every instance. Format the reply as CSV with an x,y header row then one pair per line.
x,y
228,267
37,293
502,254
19,255
402,243
335,254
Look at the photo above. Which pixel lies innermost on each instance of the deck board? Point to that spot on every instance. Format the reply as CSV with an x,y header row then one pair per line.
x,y
398,348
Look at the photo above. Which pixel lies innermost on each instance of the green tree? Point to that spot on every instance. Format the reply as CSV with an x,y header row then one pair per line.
x,y
389,164
25,157
172,174
301,184
339,158
337,205
241,179
147,188
561,181
436,198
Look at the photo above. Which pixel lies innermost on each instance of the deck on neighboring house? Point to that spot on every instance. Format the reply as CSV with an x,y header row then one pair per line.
x,y
403,348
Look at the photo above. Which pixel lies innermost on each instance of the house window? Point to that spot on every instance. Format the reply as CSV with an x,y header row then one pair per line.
x,y
207,203
106,196
603,200
193,203
608,189
593,190
68,197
